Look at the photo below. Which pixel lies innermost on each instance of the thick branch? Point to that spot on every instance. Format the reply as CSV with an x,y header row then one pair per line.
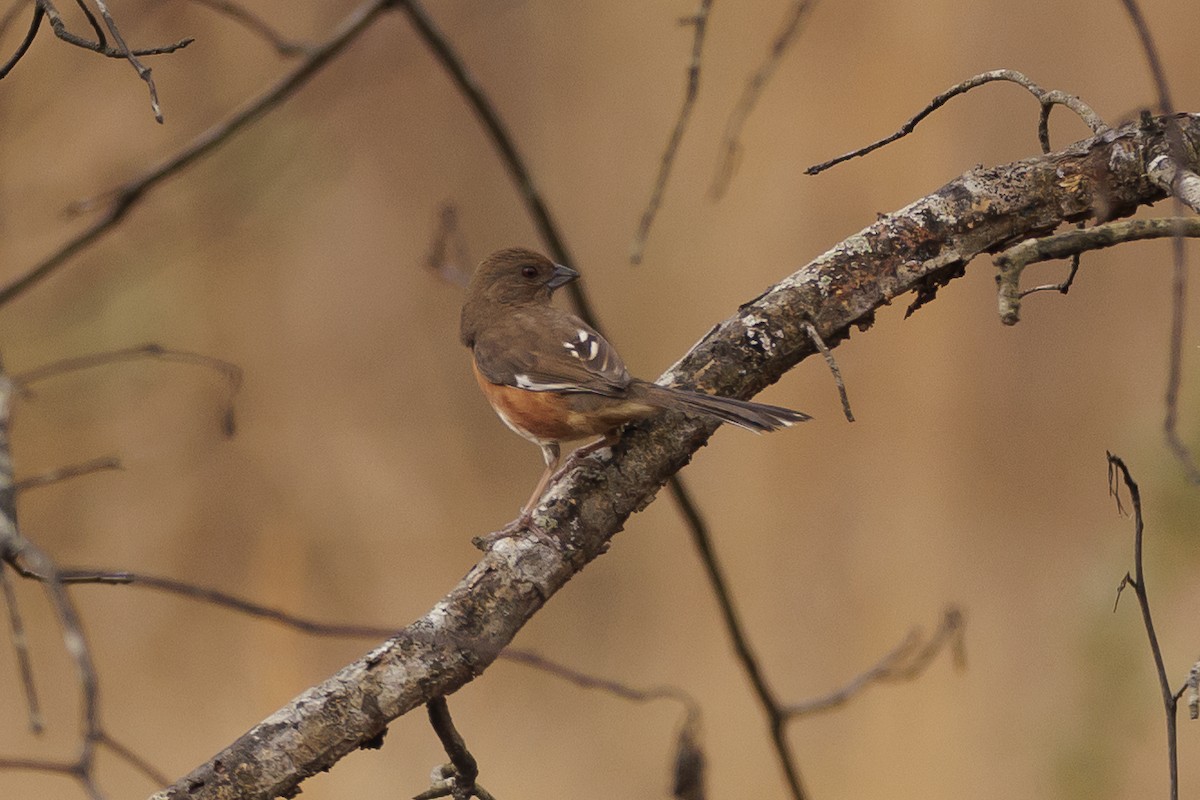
x,y
914,249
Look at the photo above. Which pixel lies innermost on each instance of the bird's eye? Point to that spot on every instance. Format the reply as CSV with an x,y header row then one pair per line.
x,y
529,271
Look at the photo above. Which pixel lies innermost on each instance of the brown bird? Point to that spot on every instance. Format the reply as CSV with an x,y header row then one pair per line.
x,y
553,379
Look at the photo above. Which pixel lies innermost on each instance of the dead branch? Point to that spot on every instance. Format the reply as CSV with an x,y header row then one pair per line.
x,y
120,200
930,240
904,662
1013,261
1047,98
45,8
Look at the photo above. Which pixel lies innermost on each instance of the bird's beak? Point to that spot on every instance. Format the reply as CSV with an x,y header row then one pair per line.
x,y
561,276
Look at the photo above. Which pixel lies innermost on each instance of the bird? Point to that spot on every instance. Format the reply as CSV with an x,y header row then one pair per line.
x,y
552,378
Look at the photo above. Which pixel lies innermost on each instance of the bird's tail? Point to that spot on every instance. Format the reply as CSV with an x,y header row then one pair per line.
x,y
757,417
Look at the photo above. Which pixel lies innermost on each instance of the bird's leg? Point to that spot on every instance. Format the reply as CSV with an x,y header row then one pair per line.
x,y
607,440
524,521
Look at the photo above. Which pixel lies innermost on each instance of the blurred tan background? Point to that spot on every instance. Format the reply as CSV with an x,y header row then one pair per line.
x,y
366,460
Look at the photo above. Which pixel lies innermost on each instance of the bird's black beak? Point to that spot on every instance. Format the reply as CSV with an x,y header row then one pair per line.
x,y
561,276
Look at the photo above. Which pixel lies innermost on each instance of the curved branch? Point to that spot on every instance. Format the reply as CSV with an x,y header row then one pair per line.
x,y
926,243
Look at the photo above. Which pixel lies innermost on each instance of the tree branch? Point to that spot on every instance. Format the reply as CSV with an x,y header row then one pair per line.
x,y
923,245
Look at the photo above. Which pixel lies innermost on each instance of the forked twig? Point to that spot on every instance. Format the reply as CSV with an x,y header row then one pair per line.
x,y
119,201
1047,98
904,662
1118,470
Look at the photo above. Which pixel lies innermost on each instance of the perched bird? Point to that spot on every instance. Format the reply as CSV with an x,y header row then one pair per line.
x,y
553,379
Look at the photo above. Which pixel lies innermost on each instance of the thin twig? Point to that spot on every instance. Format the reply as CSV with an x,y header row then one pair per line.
x,y
120,200
95,23
1047,98
23,47
232,373
831,362
257,25
903,663
772,708
465,767
134,760
20,643
218,598
1012,262
1138,582
141,69
699,23
583,680
1178,153
731,145
67,472
20,553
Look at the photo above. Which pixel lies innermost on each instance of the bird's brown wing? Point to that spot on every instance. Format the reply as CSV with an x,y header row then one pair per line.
x,y
547,350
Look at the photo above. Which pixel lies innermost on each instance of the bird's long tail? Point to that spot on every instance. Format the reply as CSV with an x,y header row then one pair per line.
x,y
757,417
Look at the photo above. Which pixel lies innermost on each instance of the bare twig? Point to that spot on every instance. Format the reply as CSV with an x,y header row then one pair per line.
x,y
1117,469
20,643
903,663
67,472
95,23
23,47
739,638
45,8
1014,260
20,553
1177,149
131,758
459,779
731,145
232,373
257,25
1047,98
831,362
699,23
119,201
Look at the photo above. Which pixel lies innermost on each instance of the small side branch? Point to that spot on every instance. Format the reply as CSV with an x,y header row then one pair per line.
x,y
1014,260
45,8
905,662
119,201
1047,98
699,23
1118,470
232,373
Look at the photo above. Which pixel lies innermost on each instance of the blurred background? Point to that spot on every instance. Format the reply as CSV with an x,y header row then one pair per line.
x,y
366,459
